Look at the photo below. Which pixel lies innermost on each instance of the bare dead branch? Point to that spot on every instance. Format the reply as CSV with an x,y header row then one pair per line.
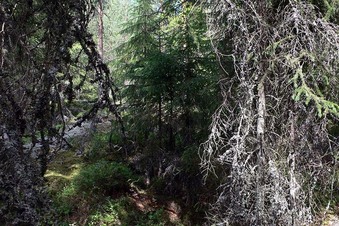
x,y
270,133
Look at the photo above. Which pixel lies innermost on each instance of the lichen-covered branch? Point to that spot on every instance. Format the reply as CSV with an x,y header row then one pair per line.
x,y
270,133
37,40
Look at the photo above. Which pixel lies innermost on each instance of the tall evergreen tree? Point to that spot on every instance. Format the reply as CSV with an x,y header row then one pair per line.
x,y
171,70
197,75
135,58
171,86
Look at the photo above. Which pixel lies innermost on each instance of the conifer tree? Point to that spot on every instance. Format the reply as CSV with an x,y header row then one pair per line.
x,y
37,39
270,135
172,69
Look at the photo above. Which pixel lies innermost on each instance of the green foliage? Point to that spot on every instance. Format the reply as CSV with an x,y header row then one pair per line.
x,y
89,185
66,200
155,218
191,161
140,30
98,147
104,145
170,74
103,177
328,8
122,212
312,84
113,212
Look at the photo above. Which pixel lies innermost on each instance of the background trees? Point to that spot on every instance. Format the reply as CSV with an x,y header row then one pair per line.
x,y
48,60
169,93
170,76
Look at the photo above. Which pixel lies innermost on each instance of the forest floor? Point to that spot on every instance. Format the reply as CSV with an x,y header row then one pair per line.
x,y
140,202
133,204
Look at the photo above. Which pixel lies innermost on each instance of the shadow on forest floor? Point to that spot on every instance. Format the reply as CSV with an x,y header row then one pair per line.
x,y
91,201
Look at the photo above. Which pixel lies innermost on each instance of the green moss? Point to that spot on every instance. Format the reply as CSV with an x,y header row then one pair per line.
x,y
62,170
65,163
94,190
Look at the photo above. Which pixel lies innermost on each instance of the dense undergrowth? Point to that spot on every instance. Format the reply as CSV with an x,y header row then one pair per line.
x,y
100,187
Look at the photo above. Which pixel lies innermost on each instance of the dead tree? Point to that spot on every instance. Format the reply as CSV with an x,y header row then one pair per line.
x,y
36,61
270,134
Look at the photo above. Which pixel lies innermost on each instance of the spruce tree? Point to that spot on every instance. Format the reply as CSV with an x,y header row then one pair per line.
x,y
270,136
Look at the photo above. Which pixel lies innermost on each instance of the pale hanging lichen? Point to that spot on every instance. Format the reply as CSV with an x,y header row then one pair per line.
x,y
270,133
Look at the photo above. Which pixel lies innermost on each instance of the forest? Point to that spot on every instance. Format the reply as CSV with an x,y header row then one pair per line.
x,y
169,112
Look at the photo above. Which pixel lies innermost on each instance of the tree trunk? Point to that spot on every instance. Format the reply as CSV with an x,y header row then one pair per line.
x,y
101,29
260,203
160,121
171,121
2,49
93,127
22,200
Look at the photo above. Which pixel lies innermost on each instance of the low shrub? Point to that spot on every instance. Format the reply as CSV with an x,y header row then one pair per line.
x,y
65,200
98,148
154,218
190,160
103,177
113,212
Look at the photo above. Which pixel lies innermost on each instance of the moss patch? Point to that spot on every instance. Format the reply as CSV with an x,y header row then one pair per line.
x,y
62,170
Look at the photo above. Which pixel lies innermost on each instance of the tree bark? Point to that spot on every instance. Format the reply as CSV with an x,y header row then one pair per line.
x,y
93,127
160,121
101,29
260,203
22,198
